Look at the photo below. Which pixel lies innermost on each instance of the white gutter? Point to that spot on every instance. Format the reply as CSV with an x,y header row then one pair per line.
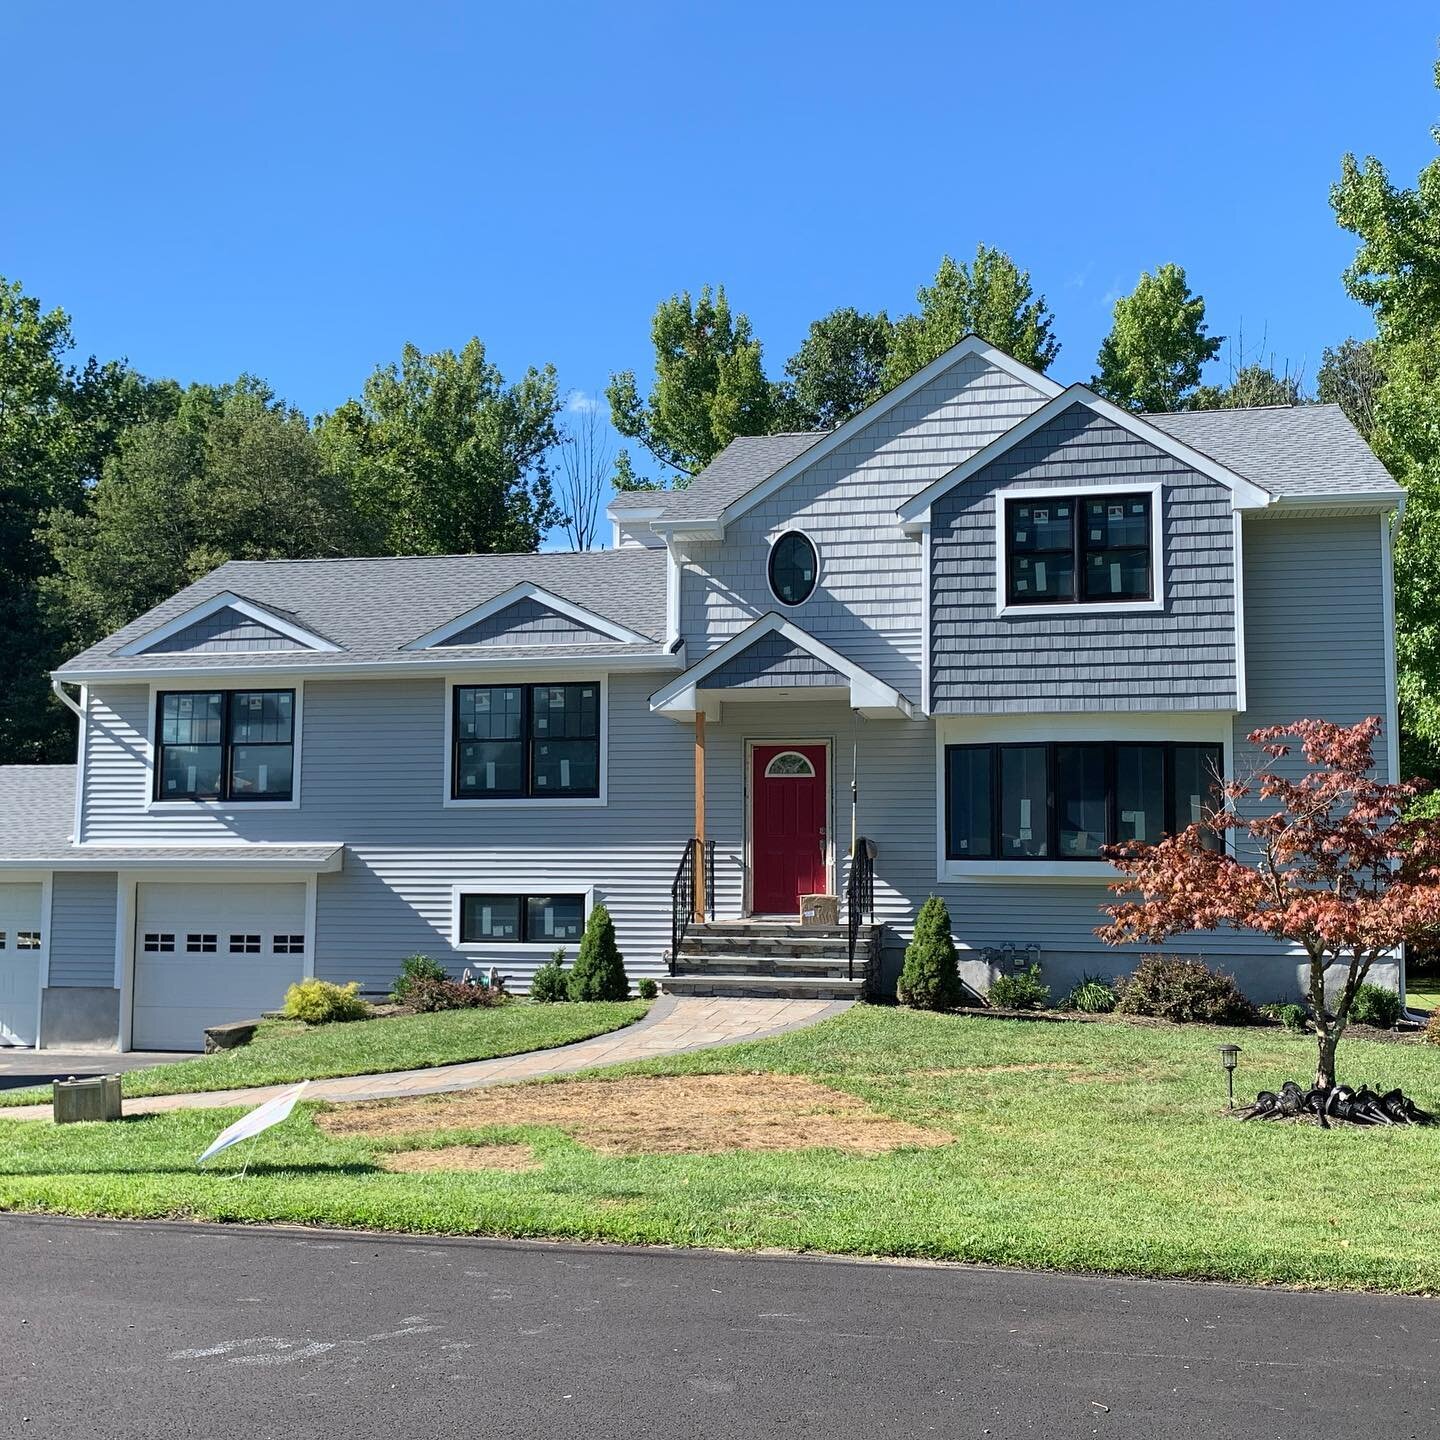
x,y
58,686
381,669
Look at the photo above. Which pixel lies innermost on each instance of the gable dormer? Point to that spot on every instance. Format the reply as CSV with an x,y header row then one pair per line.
x,y
526,614
227,624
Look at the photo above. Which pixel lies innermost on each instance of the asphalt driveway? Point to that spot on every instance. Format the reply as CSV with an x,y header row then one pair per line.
x,y
21,1068
129,1331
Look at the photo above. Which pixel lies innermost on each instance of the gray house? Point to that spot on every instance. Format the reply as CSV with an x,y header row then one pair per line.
x,y
988,626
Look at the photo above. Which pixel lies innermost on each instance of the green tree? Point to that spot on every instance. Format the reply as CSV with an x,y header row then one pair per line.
x,y
836,372
710,385
599,969
930,977
1351,377
56,426
232,474
445,458
992,298
1157,346
1251,385
1396,273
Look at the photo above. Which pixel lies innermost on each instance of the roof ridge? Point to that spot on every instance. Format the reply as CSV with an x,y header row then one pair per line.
x,y
458,555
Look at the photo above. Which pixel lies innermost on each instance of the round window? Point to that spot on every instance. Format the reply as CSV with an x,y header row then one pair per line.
x,y
793,568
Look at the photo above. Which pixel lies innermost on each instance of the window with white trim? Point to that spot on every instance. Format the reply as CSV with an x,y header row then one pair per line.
x,y
225,745
201,944
287,944
526,742
1069,800
27,939
244,944
535,918
1079,549
158,943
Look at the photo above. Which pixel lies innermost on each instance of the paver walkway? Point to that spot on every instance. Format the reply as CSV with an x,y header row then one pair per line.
x,y
673,1026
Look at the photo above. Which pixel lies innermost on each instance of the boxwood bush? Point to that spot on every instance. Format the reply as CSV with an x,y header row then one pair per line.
x,y
1376,1005
1172,987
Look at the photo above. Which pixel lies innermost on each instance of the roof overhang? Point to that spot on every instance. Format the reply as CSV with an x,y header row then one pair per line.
x,y
443,662
526,590
228,600
687,695
1375,502
1246,495
702,528
301,859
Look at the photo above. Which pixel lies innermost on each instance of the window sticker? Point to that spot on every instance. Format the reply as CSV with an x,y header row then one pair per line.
x,y
564,774
1062,511
1042,517
1115,576
1116,512
1021,536
1039,574
1097,534
489,774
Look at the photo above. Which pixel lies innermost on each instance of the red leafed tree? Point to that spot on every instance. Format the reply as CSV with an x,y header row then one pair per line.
x,y
1326,860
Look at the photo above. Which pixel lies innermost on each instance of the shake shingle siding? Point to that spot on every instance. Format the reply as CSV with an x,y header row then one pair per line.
x,y
868,600
1181,658
82,929
772,663
227,631
526,622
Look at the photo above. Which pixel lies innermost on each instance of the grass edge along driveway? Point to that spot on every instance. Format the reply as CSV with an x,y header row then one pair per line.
x,y
285,1051
1089,1147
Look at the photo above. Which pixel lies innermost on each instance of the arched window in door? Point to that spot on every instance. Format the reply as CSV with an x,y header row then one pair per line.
x,y
789,765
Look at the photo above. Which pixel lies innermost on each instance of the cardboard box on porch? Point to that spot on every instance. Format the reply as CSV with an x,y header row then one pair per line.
x,y
819,909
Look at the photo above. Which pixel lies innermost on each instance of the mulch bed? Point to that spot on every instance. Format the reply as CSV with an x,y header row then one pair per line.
x,y
1415,1036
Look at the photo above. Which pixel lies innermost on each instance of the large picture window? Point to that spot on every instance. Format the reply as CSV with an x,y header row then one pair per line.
x,y
526,742
1079,549
1068,801
225,745
533,919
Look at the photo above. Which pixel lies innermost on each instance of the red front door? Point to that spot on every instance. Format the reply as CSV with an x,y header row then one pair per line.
x,y
788,786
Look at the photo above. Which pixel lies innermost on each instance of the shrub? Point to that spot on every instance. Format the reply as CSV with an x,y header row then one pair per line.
x,y
1290,1015
599,972
1376,1005
413,968
1171,987
429,994
318,1002
647,989
1024,991
930,977
1093,995
1432,1028
550,984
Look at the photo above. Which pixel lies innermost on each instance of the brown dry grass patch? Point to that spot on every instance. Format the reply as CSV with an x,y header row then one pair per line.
x,y
460,1157
657,1115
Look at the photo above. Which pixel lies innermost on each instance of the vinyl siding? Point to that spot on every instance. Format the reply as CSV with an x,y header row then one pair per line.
x,y
526,622
868,600
1182,658
82,928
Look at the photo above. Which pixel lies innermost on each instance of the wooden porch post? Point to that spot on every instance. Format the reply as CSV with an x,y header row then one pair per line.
x,y
699,868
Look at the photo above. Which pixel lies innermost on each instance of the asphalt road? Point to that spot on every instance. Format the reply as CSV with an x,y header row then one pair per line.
x,y
121,1331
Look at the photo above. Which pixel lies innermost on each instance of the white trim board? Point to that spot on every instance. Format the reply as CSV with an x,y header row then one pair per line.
x,y
230,601
972,345
870,696
527,590
1246,495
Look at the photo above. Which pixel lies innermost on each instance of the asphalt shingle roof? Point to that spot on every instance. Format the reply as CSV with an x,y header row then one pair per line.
x,y
1288,450
373,608
37,809
744,463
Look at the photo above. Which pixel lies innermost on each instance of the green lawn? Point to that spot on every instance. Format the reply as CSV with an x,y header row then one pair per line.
x,y
1109,1153
285,1050
1422,992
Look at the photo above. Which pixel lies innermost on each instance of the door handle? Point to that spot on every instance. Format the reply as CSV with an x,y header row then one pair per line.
x,y
824,837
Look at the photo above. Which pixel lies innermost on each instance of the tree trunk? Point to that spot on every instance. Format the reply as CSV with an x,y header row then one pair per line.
x,y
1325,1062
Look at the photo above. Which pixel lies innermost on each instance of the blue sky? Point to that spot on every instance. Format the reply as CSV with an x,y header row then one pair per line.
x,y
296,190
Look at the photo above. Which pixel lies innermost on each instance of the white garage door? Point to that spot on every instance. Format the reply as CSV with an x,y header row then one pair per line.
x,y
21,947
207,953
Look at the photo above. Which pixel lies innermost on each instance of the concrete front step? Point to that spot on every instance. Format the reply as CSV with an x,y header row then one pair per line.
x,y
764,987
749,963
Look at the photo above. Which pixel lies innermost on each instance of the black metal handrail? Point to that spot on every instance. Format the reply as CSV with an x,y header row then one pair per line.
x,y
859,893
687,886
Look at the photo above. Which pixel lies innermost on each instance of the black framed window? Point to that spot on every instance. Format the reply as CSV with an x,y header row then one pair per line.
x,y
530,742
1068,801
1071,549
531,919
225,745
794,568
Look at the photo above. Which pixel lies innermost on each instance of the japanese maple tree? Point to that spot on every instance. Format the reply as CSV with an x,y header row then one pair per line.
x,y
1327,860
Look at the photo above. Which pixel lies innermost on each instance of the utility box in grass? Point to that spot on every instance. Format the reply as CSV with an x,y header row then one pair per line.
x,y
94,1098
819,909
